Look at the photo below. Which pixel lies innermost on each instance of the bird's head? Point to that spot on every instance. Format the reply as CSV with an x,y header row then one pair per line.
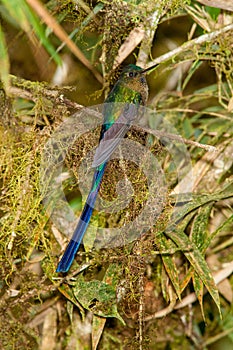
x,y
134,77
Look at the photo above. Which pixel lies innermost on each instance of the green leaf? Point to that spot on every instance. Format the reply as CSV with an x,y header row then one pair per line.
x,y
28,21
199,228
169,262
197,261
199,291
195,66
17,13
98,324
188,128
40,32
198,201
199,237
97,296
66,290
4,62
225,225
213,11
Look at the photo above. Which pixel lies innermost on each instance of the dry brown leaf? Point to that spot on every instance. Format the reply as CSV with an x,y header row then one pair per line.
x,y
49,331
98,325
132,41
222,4
225,289
230,105
208,169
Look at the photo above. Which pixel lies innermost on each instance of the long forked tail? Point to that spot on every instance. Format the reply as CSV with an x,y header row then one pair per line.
x,y
73,245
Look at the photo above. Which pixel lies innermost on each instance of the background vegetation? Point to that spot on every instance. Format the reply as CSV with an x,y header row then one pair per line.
x,y
173,287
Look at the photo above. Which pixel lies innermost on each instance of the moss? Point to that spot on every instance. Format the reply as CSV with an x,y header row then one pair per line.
x,y
153,271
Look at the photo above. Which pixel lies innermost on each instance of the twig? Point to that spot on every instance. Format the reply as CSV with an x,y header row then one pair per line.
x,y
189,110
160,134
167,310
141,307
190,44
14,91
147,41
54,94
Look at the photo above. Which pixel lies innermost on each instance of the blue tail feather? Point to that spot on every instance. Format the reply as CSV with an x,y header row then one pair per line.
x,y
73,246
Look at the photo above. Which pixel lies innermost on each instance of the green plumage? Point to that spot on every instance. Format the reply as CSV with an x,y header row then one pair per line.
x,y
120,109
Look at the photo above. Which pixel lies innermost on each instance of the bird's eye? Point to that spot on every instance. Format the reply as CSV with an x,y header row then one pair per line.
x,y
131,74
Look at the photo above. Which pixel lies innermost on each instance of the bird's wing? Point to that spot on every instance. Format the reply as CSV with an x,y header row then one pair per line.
x,y
113,136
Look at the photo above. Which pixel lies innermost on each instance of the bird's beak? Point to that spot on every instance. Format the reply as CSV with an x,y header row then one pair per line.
x,y
149,68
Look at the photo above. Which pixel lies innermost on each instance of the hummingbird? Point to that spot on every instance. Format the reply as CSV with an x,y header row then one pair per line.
x,y
121,108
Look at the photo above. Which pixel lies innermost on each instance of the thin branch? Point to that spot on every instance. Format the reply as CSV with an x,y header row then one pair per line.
x,y
189,110
146,45
54,94
17,92
190,44
179,138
